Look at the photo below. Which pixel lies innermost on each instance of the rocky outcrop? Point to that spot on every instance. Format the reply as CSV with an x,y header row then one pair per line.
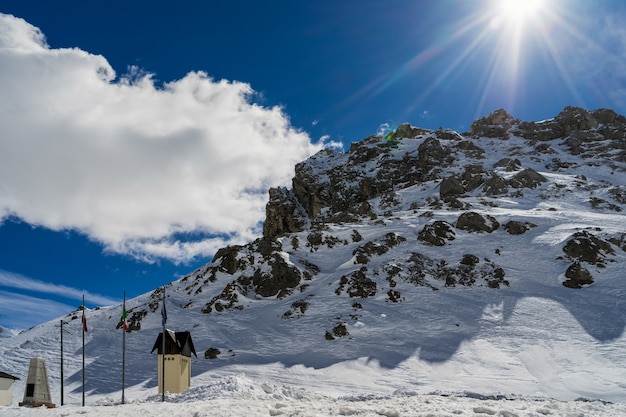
x,y
474,222
410,171
585,247
283,214
583,132
528,178
357,284
495,185
437,233
495,125
577,276
518,228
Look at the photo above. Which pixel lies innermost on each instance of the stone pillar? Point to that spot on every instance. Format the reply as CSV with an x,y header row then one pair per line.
x,y
37,392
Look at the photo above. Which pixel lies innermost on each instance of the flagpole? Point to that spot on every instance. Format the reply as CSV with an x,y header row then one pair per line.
x,y
123,344
61,361
84,324
164,319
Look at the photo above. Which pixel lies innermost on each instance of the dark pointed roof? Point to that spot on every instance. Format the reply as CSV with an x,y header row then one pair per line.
x,y
175,343
7,376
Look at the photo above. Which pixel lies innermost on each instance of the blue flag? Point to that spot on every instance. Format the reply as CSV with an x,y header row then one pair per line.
x,y
163,314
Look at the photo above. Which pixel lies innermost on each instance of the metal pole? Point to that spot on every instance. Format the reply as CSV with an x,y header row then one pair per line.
x,y
62,362
123,347
83,323
164,319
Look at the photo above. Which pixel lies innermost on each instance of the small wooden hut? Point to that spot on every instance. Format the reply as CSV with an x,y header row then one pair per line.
x,y
178,350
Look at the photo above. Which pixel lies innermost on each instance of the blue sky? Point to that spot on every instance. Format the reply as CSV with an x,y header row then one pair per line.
x,y
136,140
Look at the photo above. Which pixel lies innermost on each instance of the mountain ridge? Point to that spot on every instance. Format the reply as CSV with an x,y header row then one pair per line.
x,y
421,250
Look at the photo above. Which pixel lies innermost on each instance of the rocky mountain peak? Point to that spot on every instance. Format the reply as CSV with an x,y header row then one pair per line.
x,y
432,209
494,125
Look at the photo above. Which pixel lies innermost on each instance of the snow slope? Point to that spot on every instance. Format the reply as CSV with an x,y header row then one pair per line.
x,y
434,349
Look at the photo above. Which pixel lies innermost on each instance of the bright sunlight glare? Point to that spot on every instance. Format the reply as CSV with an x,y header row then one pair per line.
x,y
519,10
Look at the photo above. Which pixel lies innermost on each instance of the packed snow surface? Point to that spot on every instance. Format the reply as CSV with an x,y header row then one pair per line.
x,y
238,395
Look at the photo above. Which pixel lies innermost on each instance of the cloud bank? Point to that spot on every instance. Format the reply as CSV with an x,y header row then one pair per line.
x,y
133,165
11,280
23,311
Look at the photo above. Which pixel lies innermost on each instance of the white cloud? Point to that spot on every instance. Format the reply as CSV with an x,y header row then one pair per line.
x,y
11,280
129,163
23,311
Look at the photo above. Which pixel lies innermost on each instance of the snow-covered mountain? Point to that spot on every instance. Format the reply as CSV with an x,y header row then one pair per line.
x,y
490,262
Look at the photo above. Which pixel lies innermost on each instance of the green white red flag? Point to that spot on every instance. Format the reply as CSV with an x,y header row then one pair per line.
x,y
124,316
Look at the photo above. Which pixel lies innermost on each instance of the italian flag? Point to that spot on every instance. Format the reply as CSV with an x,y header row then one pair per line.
x,y
124,316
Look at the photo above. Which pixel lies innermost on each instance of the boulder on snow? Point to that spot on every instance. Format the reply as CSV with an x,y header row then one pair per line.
x,y
577,276
437,233
474,222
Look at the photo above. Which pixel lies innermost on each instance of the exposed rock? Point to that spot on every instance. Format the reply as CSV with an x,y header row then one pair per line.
x,y
495,125
470,260
575,119
310,193
528,178
267,247
227,299
364,252
357,284
471,150
361,152
584,133
437,233
517,228
600,203
211,353
545,149
282,213
474,222
586,247
455,186
298,308
340,330
473,177
467,273
447,134
405,130
134,320
393,239
495,185
556,165
577,276
450,187
433,153
618,193
607,117
620,241
226,259
283,277
509,164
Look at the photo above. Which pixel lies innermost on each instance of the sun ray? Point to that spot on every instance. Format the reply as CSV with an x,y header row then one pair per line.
x,y
519,10
496,46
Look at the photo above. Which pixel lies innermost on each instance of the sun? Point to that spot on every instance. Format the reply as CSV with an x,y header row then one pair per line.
x,y
519,11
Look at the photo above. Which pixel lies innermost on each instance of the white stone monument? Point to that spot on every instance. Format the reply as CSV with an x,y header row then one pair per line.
x,y
37,392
